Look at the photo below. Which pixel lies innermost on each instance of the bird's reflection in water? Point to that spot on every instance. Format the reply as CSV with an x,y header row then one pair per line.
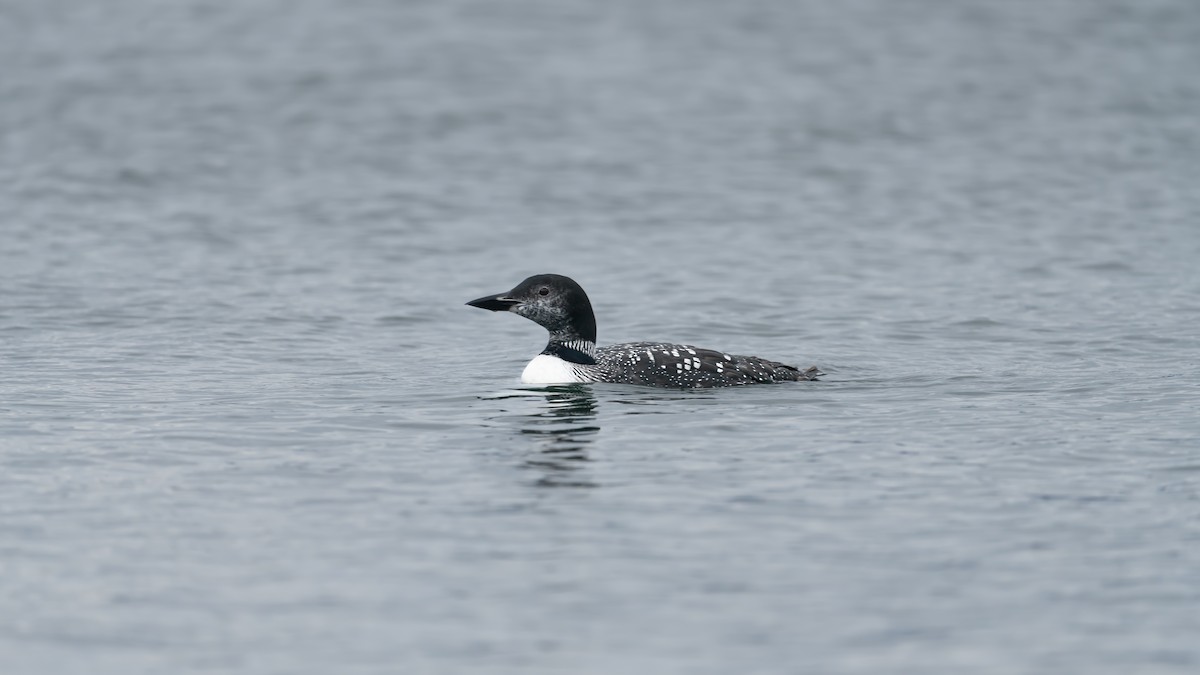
x,y
562,428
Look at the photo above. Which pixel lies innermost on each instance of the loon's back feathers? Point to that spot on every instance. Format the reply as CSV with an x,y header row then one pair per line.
x,y
561,306
658,364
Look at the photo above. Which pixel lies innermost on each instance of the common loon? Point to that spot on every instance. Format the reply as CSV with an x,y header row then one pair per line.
x,y
559,305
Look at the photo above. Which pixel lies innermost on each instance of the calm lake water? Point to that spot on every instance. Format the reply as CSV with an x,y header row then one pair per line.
x,y
247,424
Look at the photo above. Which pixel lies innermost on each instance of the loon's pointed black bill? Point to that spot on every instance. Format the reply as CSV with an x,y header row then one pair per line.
x,y
497,303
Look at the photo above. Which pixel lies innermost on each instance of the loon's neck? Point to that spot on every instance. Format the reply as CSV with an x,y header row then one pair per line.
x,y
574,339
578,324
573,350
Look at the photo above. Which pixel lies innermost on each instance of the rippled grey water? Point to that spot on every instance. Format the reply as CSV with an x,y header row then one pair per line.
x,y
247,424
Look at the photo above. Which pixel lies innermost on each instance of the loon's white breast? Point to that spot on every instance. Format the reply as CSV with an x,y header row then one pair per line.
x,y
548,369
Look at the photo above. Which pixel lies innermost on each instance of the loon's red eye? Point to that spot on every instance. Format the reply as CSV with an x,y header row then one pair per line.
x,y
543,291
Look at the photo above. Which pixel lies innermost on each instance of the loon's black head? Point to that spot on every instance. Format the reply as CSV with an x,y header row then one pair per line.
x,y
551,300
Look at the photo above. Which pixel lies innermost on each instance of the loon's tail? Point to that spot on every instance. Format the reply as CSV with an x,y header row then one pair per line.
x,y
810,373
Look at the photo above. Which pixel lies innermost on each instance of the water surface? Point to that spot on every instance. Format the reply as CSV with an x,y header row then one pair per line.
x,y
247,424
